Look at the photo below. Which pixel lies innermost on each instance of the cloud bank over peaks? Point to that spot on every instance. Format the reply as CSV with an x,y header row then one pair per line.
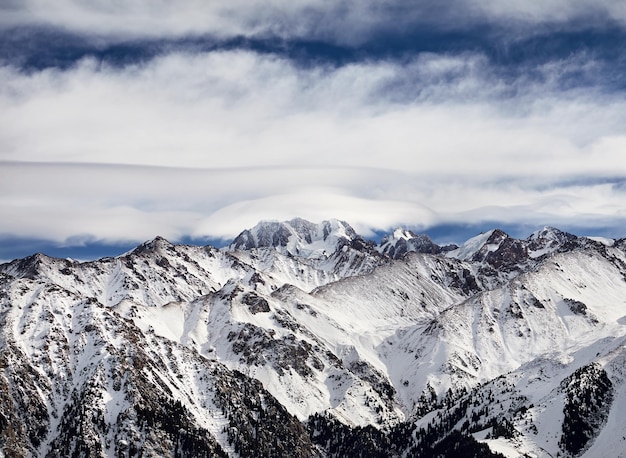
x,y
76,204
196,119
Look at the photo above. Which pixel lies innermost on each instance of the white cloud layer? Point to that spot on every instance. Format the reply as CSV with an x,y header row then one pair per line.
x,y
84,203
208,144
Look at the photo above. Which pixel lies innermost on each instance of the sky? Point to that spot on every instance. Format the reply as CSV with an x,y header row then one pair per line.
x,y
193,120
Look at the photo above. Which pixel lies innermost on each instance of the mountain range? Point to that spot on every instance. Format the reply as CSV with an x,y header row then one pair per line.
x,y
303,339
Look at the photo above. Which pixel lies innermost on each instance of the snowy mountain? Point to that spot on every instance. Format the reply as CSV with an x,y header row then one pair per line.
x,y
303,339
305,254
401,241
298,237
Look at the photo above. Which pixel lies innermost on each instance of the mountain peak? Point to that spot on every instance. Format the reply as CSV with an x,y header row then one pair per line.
x,y
402,240
155,245
297,237
27,267
497,236
402,233
477,243
548,240
547,232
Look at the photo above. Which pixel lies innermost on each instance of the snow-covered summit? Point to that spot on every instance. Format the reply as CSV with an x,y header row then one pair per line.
x,y
550,233
548,240
297,237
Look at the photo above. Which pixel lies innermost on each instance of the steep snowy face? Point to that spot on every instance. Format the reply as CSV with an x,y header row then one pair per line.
x,y
402,241
298,237
483,246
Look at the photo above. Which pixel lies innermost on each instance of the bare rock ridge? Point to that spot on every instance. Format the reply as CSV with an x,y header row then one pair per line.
x,y
304,339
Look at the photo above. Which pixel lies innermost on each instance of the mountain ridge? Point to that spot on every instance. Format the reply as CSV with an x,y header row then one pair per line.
x,y
339,343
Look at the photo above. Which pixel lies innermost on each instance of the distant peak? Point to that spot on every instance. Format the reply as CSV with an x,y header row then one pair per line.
x,y
297,237
402,241
547,232
157,243
28,267
496,236
476,244
402,233
548,240
399,233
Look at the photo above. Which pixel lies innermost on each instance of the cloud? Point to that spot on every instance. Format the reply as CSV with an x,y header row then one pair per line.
x,y
240,109
206,144
554,11
75,204
344,21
